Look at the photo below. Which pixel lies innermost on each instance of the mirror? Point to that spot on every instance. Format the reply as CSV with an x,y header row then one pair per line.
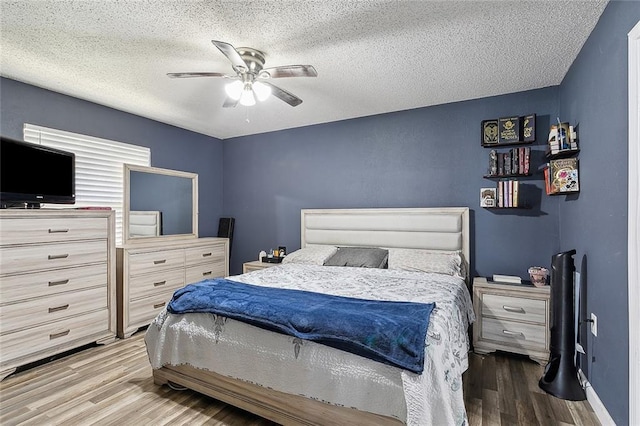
x,y
159,203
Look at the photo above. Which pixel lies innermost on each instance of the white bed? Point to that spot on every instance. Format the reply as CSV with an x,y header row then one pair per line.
x,y
292,381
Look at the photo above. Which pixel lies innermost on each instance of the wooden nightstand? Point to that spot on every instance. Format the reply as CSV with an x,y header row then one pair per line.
x,y
256,265
511,318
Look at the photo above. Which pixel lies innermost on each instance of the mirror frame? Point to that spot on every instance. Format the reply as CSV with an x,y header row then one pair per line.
x,y
128,168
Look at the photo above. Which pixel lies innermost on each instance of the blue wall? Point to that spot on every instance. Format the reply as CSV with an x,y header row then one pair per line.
x,y
594,95
171,147
418,158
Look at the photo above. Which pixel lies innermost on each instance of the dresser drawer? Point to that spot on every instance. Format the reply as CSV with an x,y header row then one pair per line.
x,y
517,308
143,311
203,272
213,253
23,259
514,333
38,284
48,230
152,284
38,311
33,340
148,262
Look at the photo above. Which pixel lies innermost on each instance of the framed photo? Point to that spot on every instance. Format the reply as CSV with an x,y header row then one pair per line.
x,y
489,132
487,197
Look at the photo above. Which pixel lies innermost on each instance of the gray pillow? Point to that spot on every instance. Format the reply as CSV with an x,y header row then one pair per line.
x,y
360,257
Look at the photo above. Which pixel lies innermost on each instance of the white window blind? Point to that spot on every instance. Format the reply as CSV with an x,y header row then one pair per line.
x,y
99,166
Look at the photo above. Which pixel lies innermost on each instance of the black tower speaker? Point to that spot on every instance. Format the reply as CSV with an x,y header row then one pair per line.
x,y
225,230
560,377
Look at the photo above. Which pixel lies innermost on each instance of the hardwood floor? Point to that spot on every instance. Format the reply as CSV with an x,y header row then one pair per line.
x,y
112,385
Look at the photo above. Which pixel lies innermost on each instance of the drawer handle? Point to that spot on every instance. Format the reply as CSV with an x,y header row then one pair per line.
x,y
206,254
56,335
58,256
159,283
61,282
58,231
159,305
158,262
58,308
207,273
517,309
513,333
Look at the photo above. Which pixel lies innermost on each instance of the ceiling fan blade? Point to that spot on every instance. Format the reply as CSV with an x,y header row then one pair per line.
x,y
230,103
233,55
290,71
282,94
195,74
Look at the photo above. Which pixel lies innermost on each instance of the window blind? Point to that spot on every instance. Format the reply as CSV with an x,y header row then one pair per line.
x,y
99,166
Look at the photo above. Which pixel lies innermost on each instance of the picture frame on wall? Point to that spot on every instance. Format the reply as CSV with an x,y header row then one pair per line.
x,y
488,197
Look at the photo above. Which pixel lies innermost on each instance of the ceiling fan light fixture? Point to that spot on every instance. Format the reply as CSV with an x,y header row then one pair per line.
x,y
234,89
261,90
247,98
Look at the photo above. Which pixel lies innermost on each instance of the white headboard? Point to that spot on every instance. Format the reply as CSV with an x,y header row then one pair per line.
x,y
442,228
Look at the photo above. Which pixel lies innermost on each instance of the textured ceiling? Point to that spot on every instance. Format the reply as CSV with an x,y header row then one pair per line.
x,y
372,56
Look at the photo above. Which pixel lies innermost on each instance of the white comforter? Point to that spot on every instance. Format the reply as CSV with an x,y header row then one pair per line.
x,y
307,368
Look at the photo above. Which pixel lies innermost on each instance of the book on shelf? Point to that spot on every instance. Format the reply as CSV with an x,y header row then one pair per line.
x,y
487,197
547,181
507,279
514,162
507,193
507,163
563,175
529,128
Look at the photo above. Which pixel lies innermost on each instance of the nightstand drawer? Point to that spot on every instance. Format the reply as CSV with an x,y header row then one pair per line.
x,y
257,265
514,333
512,318
517,308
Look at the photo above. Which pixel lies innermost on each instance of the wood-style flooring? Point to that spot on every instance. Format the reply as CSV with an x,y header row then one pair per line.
x,y
112,385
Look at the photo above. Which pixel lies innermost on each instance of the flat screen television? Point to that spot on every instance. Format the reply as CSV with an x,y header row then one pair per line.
x,y
31,174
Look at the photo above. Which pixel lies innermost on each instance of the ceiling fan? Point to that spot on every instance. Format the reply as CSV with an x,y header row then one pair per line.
x,y
251,79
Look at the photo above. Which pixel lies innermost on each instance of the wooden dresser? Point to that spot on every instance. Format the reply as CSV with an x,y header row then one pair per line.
x,y
512,318
149,272
57,283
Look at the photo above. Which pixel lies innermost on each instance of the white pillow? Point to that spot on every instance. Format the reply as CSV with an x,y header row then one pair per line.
x,y
439,261
311,255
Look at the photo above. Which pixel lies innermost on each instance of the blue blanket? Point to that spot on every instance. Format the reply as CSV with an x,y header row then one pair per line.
x,y
390,332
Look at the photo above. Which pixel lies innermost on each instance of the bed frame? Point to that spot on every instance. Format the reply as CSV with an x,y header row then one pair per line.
x,y
444,228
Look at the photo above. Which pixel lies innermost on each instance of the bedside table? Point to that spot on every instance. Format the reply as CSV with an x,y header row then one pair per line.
x,y
257,265
512,318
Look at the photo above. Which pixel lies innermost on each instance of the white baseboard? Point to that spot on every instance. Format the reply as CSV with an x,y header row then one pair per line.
x,y
598,407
